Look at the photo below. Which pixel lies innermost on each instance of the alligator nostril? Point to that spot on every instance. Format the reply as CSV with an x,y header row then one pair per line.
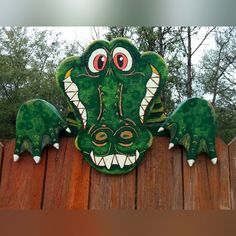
x,y
126,135
101,136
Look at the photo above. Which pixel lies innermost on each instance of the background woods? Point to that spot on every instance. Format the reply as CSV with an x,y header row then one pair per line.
x,y
201,61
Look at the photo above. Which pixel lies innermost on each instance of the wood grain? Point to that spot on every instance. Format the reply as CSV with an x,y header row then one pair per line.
x,y
112,192
207,186
232,158
22,182
160,177
67,178
1,158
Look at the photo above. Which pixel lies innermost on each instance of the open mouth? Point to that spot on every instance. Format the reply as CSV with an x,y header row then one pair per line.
x,y
114,160
72,93
151,86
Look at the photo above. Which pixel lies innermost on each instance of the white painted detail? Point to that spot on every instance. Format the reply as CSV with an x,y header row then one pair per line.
x,y
97,159
114,161
37,159
16,157
132,159
56,145
128,162
92,157
108,161
214,160
121,160
137,154
72,91
68,130
191,162
171,145
102,162
151,88
160,129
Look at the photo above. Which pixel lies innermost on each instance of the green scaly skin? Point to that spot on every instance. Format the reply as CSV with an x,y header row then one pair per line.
x,y
113,93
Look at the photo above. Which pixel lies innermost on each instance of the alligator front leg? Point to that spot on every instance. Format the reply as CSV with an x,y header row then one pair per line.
x,y
192,125
38,124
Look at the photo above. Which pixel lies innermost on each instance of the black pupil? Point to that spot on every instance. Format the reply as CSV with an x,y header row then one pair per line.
x,y
120,60
101,61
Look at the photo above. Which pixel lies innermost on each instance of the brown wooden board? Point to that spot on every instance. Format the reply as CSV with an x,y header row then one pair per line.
x,y
112,192
22,182
232,158
1,158
67,178
159,182
207,186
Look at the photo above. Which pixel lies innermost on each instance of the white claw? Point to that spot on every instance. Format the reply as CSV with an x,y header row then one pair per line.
x,y
68,130
214,160
171,145
160,129
37,159
191,162
56,145
16,157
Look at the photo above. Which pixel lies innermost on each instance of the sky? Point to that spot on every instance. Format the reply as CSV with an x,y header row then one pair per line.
x,y
87,34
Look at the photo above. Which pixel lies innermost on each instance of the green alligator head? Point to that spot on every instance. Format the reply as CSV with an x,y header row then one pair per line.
x,y
111,89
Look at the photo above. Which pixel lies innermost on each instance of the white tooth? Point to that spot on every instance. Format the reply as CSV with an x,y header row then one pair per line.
x,y
92,156
67,80
80,105
76,102
152,90
81,111
191,162
132,159
156,80
151,84
121,160
84,115
67,85
16,157
68,130
154,75
37,159
114,161
141,112
128,162
56,145
214,160
143,107
160,129
97,160
72,88
144,102
108,160
71,95
171,145
148,94
137,154
102,163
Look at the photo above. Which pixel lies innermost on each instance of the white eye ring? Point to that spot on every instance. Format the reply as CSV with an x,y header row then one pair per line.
x,y
128,60
93,56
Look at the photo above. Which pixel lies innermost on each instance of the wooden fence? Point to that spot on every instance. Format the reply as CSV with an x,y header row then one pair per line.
x,y
63,180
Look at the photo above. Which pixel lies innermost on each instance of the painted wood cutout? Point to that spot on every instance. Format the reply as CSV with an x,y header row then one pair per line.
x,y
113,93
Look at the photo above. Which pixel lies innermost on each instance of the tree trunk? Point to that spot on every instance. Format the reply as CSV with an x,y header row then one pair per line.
x,y
189,65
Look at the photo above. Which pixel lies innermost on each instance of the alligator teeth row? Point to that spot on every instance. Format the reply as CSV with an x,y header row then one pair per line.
x,y
151,86
114,159
72,93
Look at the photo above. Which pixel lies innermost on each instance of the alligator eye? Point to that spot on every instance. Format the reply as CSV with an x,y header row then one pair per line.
x,y
122,59
97,60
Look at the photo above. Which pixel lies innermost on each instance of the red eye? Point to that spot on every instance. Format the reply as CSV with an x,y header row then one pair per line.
x,y
99,62
122,59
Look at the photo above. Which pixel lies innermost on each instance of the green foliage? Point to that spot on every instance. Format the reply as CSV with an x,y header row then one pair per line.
x,y
28,60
